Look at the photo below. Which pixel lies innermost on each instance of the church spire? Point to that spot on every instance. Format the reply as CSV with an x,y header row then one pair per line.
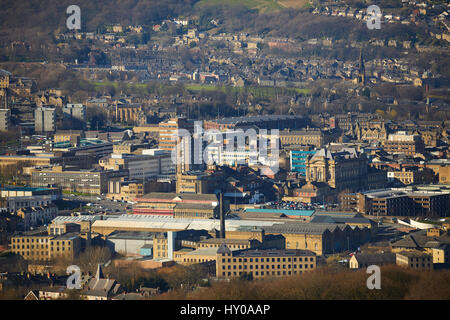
x,y
362,69
99,275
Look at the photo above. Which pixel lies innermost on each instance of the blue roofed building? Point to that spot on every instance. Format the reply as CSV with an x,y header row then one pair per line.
x,y
298,160
305,215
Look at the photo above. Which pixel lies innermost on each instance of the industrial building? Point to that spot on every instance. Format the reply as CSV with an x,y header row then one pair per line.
x,y
263,263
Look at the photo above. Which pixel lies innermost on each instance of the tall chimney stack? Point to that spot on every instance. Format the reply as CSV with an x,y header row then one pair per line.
x,y
222,218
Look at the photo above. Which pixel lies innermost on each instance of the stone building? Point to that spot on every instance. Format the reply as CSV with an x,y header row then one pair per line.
x,y
263,263
340,170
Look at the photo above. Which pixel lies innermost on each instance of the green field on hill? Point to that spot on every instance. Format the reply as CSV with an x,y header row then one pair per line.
x,y
261,5
266,92
257,91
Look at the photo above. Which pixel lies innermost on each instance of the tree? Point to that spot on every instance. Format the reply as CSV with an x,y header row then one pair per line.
x,y
91,257
246,276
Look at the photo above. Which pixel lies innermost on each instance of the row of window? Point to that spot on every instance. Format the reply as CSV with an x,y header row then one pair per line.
x,y
267,259
300,266
33,253
417,265
27,240
262,273
37,247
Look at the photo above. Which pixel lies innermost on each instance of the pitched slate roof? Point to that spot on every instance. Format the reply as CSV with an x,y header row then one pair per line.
x,y
223,249
182,196
330,219
5,73
419,240
303,228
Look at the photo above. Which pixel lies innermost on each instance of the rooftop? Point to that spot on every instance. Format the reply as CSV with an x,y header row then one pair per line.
x,y
376,258
226,241
83,143
179,197
5,73
23,189
336,219
67,236
287,212
134,235
252,119
303,228
203,252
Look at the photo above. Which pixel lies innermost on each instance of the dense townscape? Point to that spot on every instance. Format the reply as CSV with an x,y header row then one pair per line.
x,y
192,146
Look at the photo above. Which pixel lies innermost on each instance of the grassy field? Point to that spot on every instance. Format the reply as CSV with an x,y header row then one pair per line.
x,y
257,91
294,3
79,194
266,92
261,5
116,84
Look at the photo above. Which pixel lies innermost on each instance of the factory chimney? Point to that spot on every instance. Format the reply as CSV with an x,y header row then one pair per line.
x,y
222,218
